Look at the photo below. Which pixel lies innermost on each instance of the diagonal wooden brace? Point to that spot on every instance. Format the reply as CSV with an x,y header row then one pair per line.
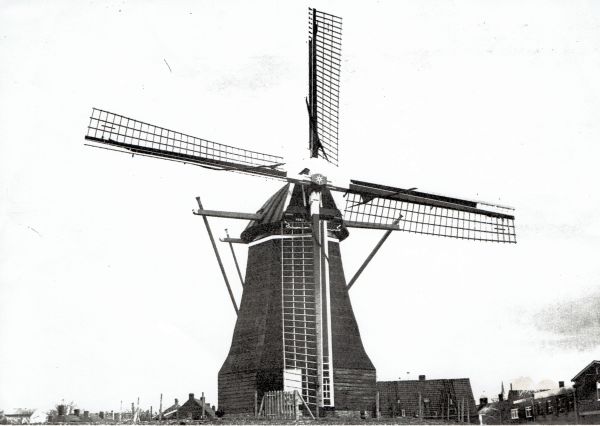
x,y
212,241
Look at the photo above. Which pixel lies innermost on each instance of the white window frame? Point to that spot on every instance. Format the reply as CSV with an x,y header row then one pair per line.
x,y
528,412
403,412
514,413
598,390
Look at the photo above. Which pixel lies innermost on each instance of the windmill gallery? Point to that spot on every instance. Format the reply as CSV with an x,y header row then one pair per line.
x,y
296,332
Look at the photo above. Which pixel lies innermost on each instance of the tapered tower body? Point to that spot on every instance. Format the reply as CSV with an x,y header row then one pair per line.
x,y
295,331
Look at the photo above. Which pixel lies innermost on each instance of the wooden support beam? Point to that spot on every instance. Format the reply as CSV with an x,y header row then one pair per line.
x,y
229,215
232,240
237,266
305,405
214,245
368,225
371,255
315,202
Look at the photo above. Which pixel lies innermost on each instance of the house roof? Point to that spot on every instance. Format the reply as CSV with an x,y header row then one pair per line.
x,y
435,393
173,409
207,408
552,392
596,362
514,394
167,412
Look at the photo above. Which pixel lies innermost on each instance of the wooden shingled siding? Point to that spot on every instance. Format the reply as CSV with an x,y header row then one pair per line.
x,y
271,213
395,396
353,371
355,389
255,361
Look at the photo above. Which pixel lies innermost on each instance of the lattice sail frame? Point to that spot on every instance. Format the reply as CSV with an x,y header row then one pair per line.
x,y
124,133
430,214
325,40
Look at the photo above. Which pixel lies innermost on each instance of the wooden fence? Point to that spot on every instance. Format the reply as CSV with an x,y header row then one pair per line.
x,y
282,405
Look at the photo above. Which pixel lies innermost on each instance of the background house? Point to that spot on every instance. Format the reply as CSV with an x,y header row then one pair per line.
x,y
195,409
442,398
587,385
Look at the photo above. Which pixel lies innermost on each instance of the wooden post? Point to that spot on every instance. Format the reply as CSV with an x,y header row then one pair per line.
x,y
255,403
262,401
315,201
280,402
296,416
160,410
575,406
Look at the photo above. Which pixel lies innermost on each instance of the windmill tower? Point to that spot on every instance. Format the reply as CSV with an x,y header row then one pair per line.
x,y
295,328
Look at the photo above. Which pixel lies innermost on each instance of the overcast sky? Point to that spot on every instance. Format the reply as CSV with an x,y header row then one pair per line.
x,y
109,289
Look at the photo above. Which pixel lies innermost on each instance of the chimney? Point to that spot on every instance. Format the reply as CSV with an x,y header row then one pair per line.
x,y
191,397
76,412
483,401
176,402
561,384
500,397
421,376
61,410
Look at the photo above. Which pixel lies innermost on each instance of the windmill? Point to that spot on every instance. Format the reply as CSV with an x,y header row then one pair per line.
x,y
295,328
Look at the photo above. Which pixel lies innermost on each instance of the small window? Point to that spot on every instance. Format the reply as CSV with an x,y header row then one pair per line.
x,y
528,412
403,412
514,413
598,390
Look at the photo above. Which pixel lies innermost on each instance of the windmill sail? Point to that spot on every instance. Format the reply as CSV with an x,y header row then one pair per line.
x,y
129,135
430,214
325,44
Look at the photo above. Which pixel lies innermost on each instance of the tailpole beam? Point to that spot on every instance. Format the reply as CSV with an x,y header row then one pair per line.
x,y
372,254
229,215
212,241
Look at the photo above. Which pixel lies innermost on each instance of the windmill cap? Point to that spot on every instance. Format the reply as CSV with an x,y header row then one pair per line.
x,y
290,203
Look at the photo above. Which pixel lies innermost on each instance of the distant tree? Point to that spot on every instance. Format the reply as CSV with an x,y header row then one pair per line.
x,y
69,407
